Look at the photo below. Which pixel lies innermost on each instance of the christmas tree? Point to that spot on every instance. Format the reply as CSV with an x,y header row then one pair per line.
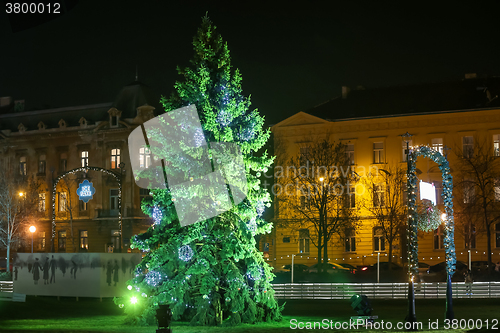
x,y
209,272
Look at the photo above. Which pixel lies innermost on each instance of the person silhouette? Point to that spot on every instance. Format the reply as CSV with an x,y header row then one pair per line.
x,y
116,268
468,282
15,273
53,266
109,271
73,270
62,265
36,270
46,266
124,266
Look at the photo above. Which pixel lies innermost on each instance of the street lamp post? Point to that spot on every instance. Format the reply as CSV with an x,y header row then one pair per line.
x,y
325,260
411,317
32,230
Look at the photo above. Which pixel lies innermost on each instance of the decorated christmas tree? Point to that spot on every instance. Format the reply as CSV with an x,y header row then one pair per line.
x,y
209,272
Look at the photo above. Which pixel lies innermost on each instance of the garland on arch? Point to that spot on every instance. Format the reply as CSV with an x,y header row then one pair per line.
x,y
447,195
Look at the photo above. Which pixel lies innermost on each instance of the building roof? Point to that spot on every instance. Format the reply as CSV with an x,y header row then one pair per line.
x,y
51,117
129,98
132,96
466,94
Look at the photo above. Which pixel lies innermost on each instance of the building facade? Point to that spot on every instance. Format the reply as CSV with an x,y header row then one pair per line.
x,y
45,145
371,123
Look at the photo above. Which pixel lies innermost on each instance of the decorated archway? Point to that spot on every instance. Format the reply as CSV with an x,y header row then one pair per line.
x,y
86,169
449,242
449,229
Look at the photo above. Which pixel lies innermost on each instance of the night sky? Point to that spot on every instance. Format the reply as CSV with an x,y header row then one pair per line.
x,y
292,56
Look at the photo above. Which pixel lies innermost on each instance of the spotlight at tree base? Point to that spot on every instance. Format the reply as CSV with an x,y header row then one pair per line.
x,y
361,304
164,317
133,300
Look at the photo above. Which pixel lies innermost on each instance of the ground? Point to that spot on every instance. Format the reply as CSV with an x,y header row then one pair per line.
x,y
47,314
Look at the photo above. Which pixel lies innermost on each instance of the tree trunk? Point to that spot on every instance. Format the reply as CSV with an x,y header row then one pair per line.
x,y
390,240
320,236
488,243
325,247
488,235
389,244
8,254
218,312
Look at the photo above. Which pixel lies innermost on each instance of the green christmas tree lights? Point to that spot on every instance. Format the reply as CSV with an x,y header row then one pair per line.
x,y
210,272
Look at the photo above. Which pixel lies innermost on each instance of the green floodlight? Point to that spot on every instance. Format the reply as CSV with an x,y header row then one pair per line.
x,y
133,300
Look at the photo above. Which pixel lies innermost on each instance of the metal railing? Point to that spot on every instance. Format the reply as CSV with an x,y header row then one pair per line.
x,y
384,290
372,290
6,286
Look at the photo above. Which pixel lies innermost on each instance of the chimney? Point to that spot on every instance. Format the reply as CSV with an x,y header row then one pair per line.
x,y
470,76
345,92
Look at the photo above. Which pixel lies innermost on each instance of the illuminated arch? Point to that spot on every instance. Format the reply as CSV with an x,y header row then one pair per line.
x,y
449,229
56,181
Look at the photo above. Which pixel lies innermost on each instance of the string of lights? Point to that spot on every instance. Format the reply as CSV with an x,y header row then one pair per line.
x,y
357,257
85,169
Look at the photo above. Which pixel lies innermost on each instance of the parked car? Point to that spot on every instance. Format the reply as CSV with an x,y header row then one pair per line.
x,y
437,273
480,269
279,270
297,268
422,271
329,268
383,266
479,266
351,268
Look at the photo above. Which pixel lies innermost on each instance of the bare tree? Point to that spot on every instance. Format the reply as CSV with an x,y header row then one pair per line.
x,y
385,201
18,203
68,186
468,224
316,189
479,184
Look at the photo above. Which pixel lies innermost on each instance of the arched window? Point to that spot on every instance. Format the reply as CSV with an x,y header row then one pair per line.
x,y
439,238
23,166
378,240
350,240
144,158
85,158
115,158
497,235
41,164
304,241
470,236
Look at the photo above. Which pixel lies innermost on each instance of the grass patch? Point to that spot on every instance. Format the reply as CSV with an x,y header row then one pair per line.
x,y
47,314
